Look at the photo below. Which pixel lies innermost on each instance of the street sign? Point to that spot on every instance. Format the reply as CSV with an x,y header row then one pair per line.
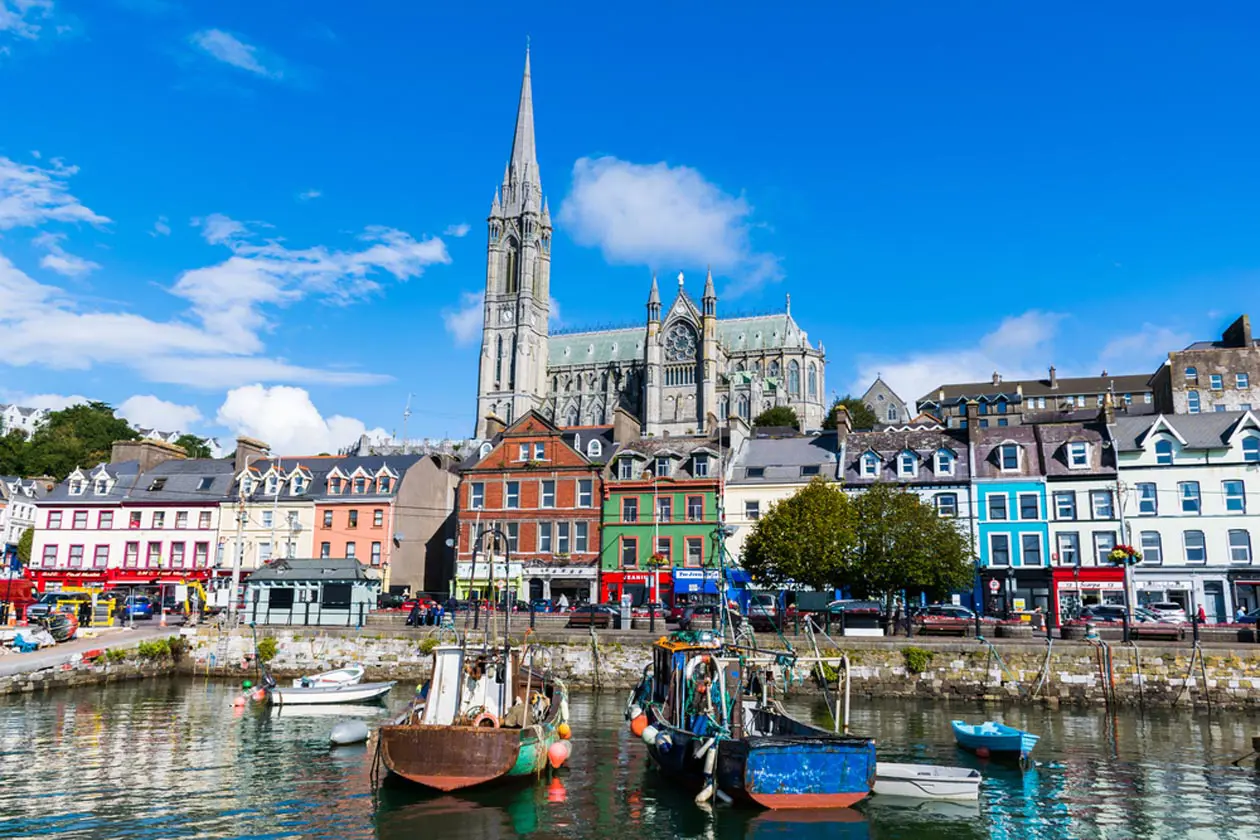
x,y
994,586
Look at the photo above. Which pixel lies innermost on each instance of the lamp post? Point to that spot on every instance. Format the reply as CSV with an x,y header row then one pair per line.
x,y
1128,561
656,567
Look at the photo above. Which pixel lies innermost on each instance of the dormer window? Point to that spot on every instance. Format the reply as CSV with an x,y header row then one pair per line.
x,y
247,485
870,465
359,487
386,483
76,487
298,486
701,468
273,485
1078,455
102,486
662,466
625,469
1163,451
594,449
334,486
907,464
485,449
1251,450
944,462
1008,457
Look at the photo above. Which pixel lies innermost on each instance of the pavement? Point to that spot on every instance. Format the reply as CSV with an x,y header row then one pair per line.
x,y
103,638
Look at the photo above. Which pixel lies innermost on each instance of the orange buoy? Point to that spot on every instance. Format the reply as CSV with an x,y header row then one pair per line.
x,y
564,731
557,753
638,725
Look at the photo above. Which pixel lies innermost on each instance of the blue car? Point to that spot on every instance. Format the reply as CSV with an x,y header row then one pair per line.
x,y
1252,617
141,608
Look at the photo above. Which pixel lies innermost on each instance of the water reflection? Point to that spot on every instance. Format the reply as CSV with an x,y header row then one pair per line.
x,y
160,760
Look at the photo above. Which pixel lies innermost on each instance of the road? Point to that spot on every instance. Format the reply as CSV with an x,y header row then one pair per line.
x,y
52,657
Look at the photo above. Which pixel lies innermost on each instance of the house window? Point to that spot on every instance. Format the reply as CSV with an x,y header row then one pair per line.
x,y
540,451
476,497
562,537
1100,501
1152,548
299,485
946,505
247,485
100,556
513,535
386,483
1163,451
1196,547
1148,504
625,469
907,464
80,520
378,518
1251,450
630,509
181,519
485,449
665,548
1028,507
999,550
1239,546
997,507
513,495
264,551
1192,401
267,519
701,468
1217,382
1189,493
76,488
1078,455
629,552
664,508
54,518
1030,549
1069,548
1065,505
585,492
177,555
870,465
1242,380
131,555
203,519
594,449
273,485
522,452
548,494
752,510
334,486
1192,374
76,556
755,472
944,462
325,549
1009,455
360,486
1104,541
810,469
695,508
662,466
102,486
580,531
328,518
154,558
159,519
105,520
1235,497
544,537
50,556
201,555
352,519
695,551
891,414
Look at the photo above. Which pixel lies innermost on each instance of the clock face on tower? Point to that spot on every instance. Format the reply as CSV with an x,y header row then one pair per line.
x,y
680,343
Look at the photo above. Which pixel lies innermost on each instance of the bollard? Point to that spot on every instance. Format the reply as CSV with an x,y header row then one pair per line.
x,y
652,617
979,629
827,621
532,612
1194,625
843,623
798,623
1125,619
476,605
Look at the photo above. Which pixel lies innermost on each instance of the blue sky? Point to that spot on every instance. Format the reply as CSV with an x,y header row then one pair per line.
x,y
269,217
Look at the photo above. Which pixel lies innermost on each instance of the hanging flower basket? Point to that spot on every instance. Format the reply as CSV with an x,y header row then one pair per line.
x,y
657,559
1125,555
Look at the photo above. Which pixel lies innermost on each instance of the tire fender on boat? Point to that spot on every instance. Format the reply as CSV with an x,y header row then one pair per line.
x,y
649,734
483,718
633,712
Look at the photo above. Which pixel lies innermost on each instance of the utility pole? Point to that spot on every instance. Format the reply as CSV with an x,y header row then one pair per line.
x,y
238,556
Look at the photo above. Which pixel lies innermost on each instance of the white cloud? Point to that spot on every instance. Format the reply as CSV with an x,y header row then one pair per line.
x,y
229,371
52,402
231,50
458,231
58,260
309,195
150,412
161,227
32,195
286,419
661,216
464,321
18,18
1142,349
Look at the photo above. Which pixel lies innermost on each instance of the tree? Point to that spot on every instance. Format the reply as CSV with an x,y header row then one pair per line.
x,y
80,435
780,415
193,446
808,539
859,415
14,451
24,546
902,543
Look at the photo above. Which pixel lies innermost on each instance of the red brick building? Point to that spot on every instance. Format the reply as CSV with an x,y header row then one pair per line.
x,y
541,486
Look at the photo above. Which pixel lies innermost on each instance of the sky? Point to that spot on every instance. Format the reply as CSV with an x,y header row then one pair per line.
x,y
269,218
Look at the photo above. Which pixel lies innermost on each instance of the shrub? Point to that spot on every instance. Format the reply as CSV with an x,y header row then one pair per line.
x,y
267,649
115,655
916,658
178,646
428,645
155,649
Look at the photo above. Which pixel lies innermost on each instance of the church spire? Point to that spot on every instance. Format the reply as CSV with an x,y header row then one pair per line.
x,y
654,301
710,294
524,158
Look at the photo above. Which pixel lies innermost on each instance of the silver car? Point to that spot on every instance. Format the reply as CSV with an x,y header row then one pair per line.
x,y
1169,611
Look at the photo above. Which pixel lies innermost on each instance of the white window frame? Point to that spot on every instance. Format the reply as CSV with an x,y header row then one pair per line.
x,y
1239,553
1006,507
1251,449
585,492
477,495
944,462
1061,496
1146,546
661,466
1185,543
1242,380
511,495
1185,495
870,465
1078,455
581,537
625,469
522,452
594,449
562,538
540,451
946,505
907,464
1216,381
1102,498
1143,498
1104,542
1194,403
1240,497
1068,543
1002,450
700,463
1168,457
544,537
752,509
547,493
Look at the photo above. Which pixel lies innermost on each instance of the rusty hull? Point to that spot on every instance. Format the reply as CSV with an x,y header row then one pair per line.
x,y
449,757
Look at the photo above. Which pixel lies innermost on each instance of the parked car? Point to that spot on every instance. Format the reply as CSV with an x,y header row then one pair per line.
x,y
645,610
696,614
541,605
855,606
140,607
49,601
1168,611
386,601
1103,612
594,615
945,611
1252,617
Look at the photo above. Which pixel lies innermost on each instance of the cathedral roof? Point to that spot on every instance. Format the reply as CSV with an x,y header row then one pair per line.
x,y
598,347
762,332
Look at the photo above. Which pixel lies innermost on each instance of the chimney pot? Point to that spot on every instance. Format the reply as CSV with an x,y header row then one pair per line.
x,y
1054,379
997,378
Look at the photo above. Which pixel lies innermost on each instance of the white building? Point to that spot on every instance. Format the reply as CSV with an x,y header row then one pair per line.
x,y
268,514
17,507
20,417
1190,487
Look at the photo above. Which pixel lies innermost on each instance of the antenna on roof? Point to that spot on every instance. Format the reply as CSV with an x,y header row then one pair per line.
x,y
407,409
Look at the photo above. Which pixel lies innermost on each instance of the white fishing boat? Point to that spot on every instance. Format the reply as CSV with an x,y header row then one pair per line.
x,y
926,781
358,693
350,675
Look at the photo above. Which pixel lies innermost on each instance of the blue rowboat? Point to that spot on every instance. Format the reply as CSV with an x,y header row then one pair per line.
x,y
993,738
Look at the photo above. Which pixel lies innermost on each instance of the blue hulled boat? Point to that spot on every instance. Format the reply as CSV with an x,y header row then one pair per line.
x,y
993,738
704,712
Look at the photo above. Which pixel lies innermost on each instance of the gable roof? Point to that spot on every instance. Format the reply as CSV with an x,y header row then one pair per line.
x,y
1011,388
1210,430
780,459
314,568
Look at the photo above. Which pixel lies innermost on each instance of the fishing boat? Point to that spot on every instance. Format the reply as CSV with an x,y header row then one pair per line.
x,y
332,693
350,675
704,712
926,781
992,738
484,715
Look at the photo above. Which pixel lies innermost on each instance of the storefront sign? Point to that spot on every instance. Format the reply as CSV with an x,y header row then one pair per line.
x,y
561,572
681,574
483,571
1076,586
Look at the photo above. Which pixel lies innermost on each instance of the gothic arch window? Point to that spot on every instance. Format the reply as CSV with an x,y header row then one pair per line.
x,y
512,365
757,367
680,343
512,268
603,385
498,359
813,379
724,408
794,378
572,418
742,406
739,368
774,369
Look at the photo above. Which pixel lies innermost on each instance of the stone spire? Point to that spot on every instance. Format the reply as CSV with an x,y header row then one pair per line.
x,y
710,294
654,301
546,214
495,206
524,160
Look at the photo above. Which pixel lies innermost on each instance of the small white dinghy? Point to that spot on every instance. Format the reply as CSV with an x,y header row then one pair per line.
x,y
351,675
360,693
926,781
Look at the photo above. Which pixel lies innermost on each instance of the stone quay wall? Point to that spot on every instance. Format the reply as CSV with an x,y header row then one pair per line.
x,y
1064,673
97,671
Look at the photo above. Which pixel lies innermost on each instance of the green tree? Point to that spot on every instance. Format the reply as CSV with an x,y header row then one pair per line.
x,y
780,415
193,446
808,538
24,546
80,435
14,452
859,415
902,543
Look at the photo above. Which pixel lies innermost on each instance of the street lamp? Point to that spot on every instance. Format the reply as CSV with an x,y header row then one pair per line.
x,y
656,542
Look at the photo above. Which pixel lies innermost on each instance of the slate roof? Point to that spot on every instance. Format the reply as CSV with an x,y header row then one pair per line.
x,y
179,480
985,451
313,568
679,449
29,487
1054,438
782,459
1010,388
124,474
888,444
319,468
1210,430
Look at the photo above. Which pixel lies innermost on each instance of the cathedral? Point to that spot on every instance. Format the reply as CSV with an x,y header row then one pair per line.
x,y
681,373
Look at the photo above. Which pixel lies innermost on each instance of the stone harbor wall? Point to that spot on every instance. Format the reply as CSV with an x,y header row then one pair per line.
x,y
95,671
1069,673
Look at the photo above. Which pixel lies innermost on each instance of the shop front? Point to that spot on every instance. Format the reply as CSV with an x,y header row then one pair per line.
x,y
695,586
1006,591
1245,588
1189,589
486,580
1077,587
561,584
637,584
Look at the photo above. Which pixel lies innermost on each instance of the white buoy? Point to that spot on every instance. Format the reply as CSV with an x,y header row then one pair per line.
x,y
349,732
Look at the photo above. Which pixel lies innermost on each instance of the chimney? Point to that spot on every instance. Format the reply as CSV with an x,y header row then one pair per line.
x,y
1054,379
147,453
997,378
494,425
973,414
1108,413
1239,333
248,450
626,426
738,433
844,423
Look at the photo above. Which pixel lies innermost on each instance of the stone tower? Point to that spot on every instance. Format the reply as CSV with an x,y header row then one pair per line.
x,y
513,373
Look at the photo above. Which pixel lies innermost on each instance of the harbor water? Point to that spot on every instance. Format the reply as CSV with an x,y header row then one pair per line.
x,y
173,759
